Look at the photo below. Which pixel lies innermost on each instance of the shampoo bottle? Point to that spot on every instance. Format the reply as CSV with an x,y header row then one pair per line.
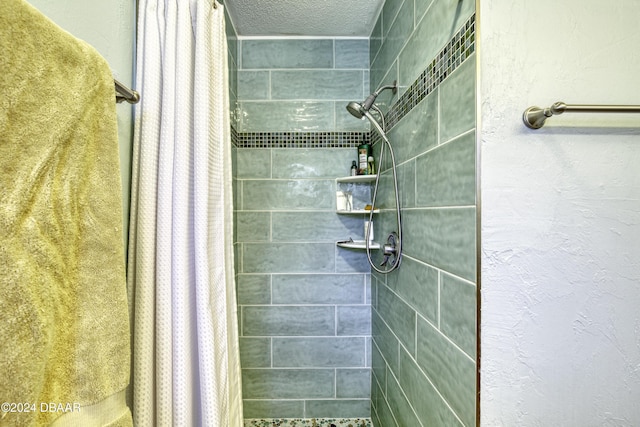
x,y
371,170
364,151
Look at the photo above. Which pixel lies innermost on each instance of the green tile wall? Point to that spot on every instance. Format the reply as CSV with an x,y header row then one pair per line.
x,y
304,304
320,335
232,51
424,313
301,84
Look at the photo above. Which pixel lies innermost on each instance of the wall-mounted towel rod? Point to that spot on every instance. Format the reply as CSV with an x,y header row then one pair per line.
x,y
123,93
534,117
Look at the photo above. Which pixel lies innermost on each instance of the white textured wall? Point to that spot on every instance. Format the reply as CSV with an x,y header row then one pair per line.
x,y
560,331
109,26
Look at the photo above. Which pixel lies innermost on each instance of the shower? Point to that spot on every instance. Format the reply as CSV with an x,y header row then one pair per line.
x,y
392,249
358,110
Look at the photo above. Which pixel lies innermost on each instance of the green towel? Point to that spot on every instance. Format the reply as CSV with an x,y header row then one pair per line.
x,y
64,327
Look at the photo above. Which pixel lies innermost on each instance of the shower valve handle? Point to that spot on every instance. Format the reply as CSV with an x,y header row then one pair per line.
x,y
385,261
389,249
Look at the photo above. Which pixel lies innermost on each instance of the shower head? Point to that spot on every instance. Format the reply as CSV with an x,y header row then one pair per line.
x,y
357,109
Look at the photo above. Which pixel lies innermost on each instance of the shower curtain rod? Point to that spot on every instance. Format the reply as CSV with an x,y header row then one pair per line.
x,y
534,117
123,93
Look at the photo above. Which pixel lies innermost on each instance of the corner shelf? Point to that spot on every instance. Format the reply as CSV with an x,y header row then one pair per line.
x,y
357,212
357,178
358,244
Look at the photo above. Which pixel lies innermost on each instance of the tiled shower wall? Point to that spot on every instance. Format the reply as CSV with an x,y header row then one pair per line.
x,y
304,304
298,359
232,51
301,85
424,313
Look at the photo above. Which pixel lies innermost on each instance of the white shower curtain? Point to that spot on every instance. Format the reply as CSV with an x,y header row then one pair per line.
x,y
186,368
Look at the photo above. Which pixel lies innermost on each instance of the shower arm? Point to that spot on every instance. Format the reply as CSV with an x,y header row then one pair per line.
x,y
369,102
393,87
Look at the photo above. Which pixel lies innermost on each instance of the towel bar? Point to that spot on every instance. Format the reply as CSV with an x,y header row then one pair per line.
x,y
534,117
123,93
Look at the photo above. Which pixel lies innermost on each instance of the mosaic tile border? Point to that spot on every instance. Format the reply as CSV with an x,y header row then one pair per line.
x,y
308,422
299,139
234,136
453,54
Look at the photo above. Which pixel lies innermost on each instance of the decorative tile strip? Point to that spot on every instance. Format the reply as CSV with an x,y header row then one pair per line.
x,y
455,52
234,136
308,422
300,139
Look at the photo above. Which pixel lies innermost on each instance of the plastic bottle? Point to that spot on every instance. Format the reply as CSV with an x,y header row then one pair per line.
x,y
354,168
364,151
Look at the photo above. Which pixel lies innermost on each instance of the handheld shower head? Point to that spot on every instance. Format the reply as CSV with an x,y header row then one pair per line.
x,y
357,109
393,248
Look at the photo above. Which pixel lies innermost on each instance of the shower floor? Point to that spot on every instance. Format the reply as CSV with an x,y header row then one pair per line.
x,y
308,422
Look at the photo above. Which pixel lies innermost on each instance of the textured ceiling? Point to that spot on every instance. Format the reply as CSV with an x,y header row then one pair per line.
x,y
321,18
